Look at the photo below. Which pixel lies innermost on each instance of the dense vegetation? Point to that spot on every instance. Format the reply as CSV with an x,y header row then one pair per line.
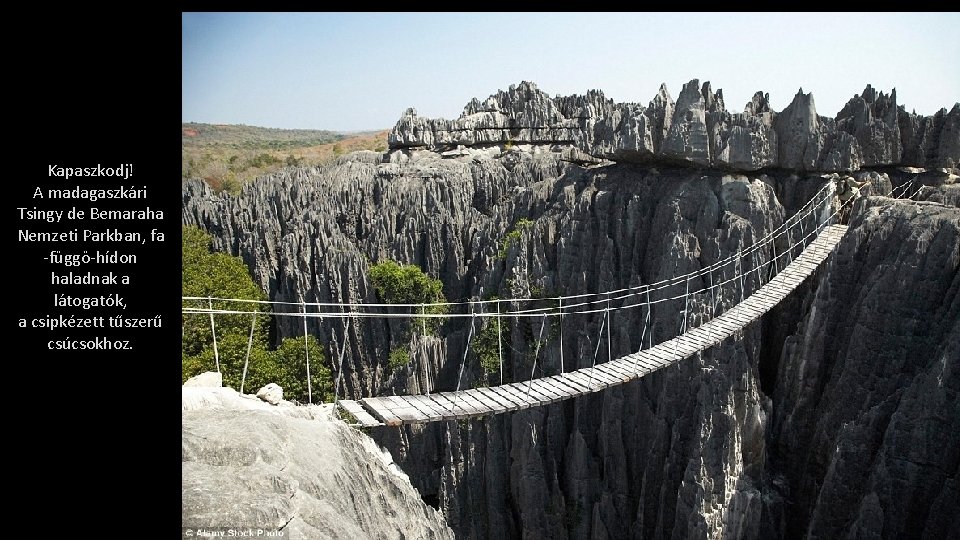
x,y
227,156
407,284
241,136
513,236
211,274
492,336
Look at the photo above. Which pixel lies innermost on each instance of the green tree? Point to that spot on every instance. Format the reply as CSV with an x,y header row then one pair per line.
x,y
407,284
399,356
262,159
491,335
219,275
292,365
513,236
232,348
488,342
209,274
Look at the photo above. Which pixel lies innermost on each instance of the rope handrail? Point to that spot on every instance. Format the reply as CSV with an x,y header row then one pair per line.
x,y
568,308
767,271
552,311
770,237
698,334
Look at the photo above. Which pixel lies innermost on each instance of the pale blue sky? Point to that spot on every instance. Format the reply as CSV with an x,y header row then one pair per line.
x,y
345,71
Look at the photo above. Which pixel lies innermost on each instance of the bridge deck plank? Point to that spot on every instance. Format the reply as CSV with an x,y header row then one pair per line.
x,y
445,406
616,370
424,405
527,388
715,331
536,387
550,386
569,389
584,381
619,376
683,346
625,365
660,355
467,402
460,405
501,402
487,403
593,374
409,415
576,386
512,402
644,362
358,412
380,412
510,390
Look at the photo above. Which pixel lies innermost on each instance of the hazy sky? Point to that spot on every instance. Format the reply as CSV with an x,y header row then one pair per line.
x,y
344,71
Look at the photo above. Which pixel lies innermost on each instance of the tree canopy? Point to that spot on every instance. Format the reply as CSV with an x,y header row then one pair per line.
x,y
407,284
218,275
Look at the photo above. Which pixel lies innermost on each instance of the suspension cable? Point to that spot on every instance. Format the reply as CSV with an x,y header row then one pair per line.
x,y
246,362
463,362
536,353
213,330
306,351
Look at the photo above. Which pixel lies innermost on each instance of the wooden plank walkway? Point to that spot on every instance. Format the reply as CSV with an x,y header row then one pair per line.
x,y
358,412
397,410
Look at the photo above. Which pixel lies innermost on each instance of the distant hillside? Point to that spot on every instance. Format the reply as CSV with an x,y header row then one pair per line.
x,y
227,156
241,136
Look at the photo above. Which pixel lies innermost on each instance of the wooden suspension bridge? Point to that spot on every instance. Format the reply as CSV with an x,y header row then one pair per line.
x,y
443,406
809,230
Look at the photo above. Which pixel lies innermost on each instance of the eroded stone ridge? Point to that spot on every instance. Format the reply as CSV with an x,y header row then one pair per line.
x,y
871,130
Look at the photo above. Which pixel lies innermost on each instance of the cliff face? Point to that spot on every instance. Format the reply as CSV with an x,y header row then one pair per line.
x,y
247,464
870,131
736,442
866,422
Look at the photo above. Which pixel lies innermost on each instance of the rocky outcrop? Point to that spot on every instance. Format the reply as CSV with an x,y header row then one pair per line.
x,y
247,465
687,137
872,118
932,140
210,379
272,393
870,131
866,421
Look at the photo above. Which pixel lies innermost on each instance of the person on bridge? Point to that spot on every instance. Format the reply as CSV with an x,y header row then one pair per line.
x,y
847,188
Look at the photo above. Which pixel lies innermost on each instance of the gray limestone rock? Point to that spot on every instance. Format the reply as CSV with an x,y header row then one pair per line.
x,y
206,379
870,131
296,470
687,138
866,421
746,141
732,442
271,393
593,229
873,120
930,141
798,134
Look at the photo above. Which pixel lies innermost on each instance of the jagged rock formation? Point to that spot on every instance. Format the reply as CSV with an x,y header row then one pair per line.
x,y
870,131
866,421
735,442
247,464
